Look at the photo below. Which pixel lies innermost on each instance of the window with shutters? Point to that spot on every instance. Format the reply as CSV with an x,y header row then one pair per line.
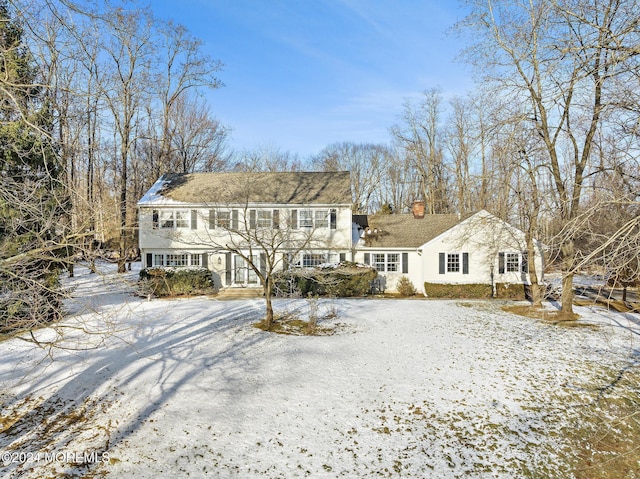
x,y
453,263
321,218
512,262
170,219
386,262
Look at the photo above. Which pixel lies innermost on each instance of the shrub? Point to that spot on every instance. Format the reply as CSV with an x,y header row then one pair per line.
x,y
455,291
405,287
344,280
512,291
476,291
176,282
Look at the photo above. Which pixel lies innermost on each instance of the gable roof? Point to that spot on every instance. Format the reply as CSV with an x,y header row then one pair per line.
x,y
253,187
405,231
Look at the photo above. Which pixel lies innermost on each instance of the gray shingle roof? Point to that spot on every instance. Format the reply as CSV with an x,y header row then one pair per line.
x,y
257,187
405,231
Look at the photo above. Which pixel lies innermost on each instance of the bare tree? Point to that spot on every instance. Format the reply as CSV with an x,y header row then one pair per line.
x,y
366,162
420,135
560,58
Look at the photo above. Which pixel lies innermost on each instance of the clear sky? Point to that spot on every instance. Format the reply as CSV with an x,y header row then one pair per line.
x,y
302,74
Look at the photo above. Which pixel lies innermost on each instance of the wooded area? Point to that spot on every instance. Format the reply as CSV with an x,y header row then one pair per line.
x,y
98,101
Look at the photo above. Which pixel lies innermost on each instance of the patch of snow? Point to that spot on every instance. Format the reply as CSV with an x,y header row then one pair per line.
x,y
154,196
412,388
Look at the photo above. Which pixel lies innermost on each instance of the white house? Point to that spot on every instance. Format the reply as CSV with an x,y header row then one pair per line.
x,y
219,220
445,248
304,219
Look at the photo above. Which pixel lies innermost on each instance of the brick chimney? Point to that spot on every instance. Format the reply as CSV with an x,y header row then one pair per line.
x,y
418,210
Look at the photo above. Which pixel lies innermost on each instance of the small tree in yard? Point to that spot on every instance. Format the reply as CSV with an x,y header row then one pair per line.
x,y
405,287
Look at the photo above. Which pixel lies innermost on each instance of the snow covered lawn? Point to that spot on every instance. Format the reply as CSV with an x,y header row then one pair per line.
x,y
404,388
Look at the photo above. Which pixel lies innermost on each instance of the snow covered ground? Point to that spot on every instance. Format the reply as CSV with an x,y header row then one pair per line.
x,y
404,388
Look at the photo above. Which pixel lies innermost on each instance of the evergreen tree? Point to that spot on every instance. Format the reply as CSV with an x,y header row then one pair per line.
x,y
30,241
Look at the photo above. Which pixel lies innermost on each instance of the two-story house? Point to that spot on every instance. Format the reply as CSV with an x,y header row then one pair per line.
x,y
221,220
228,222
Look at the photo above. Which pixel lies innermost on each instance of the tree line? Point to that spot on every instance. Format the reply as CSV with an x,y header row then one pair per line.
x,y
98,100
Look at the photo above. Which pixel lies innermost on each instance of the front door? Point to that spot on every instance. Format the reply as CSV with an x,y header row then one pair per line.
x,y
244,275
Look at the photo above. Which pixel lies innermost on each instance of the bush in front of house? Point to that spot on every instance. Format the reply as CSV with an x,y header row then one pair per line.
x,y
405,287
456,291
512,291
476,291
342,280
176,281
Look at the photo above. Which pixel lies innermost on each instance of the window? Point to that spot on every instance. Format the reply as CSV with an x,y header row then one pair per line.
x,y
393,260
264,219
176,218
306,219
512,262
389,262
310,260
224,219
453,262
378,261
182,219
321,218
177,260
167,219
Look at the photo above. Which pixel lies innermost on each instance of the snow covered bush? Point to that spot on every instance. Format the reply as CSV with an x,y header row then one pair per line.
x,y
176,281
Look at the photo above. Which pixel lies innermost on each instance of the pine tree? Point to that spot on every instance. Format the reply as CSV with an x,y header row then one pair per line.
x,y
30,242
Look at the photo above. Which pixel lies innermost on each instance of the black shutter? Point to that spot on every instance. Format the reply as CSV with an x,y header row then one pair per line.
x,y
212,219
294,219
205,260
263,264
405,263
149,260
155,219
276,219
441,263
252,219
234,220
465,263
525,262
343,257
367,258
285,261
194,219
227,269
500,263
333,219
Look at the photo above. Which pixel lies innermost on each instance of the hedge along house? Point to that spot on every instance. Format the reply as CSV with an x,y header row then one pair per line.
x,y
445,249
227,222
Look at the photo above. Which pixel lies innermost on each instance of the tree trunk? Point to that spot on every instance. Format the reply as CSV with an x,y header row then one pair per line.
x,y
567,251
268,289
536,293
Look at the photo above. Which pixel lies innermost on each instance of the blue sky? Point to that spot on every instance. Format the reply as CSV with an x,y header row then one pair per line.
x,y
302,74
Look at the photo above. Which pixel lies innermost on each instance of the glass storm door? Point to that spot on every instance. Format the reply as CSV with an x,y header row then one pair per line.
x,y
243,274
